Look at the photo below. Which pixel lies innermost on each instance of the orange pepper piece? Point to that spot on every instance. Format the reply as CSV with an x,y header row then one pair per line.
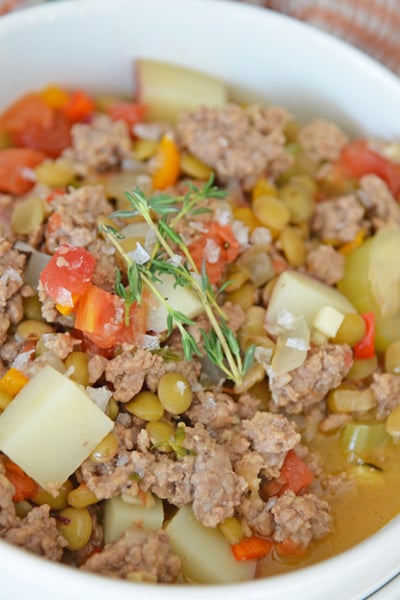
x,y
251,548
25,486
167,164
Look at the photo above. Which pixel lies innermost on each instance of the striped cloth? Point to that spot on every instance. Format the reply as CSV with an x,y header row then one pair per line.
x,y
371,25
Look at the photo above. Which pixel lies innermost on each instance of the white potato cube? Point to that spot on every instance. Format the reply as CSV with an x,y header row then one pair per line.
x,y
205,553
302,295
328,320
120,515
180,298
51,427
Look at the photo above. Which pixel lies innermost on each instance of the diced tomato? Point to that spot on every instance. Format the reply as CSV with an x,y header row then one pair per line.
x,y
32,123
100,316
366,347
295,475
28,109
79,106
13,161
223,241
68,273
130,112
360,160
25,486
52,141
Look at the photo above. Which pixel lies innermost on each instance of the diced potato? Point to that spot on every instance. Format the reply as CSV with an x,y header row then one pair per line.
x,y
119,515
51,427
180,298
168,89
205,553
301,295
328,320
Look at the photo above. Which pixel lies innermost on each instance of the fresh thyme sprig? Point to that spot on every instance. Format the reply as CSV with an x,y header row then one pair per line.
x,y
220,343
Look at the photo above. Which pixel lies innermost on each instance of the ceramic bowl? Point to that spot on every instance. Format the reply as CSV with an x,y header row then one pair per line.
x,y
260,54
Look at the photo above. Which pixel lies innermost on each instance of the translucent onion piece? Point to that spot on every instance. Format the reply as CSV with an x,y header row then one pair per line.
x,y
292,346
35,265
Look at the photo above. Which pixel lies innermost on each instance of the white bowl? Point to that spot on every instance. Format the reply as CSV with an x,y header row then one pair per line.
x,y
93,44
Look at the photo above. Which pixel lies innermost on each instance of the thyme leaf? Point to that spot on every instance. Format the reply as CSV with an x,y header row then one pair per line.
x,y
162,212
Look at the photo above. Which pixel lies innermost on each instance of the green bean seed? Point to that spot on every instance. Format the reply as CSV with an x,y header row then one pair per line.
x,y
146,405
175,392
75,525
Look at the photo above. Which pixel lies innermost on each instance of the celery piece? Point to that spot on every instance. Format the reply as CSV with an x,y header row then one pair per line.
x,y
362,437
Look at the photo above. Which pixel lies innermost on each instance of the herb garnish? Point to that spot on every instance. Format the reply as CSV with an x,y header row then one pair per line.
x,y
220,344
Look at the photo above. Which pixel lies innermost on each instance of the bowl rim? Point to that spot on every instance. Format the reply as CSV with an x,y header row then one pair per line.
x,y
18,561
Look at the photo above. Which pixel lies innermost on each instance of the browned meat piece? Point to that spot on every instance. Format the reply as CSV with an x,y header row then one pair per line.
x,y
96,367
106,265
257,515
322,140
140,555
300,518
334,422
8,516
249,466
271,436
217,488
247,406
100,145
204,476
127,371
11,350
12,287
171,479
237,143
189,368
38,533
334,484
386,390
326,264
213,409
323,370
74,220
61,344
339,219
379,201
108,478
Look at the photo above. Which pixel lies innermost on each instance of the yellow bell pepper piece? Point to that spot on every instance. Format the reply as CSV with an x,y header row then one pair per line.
x,y
12,382
167,164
